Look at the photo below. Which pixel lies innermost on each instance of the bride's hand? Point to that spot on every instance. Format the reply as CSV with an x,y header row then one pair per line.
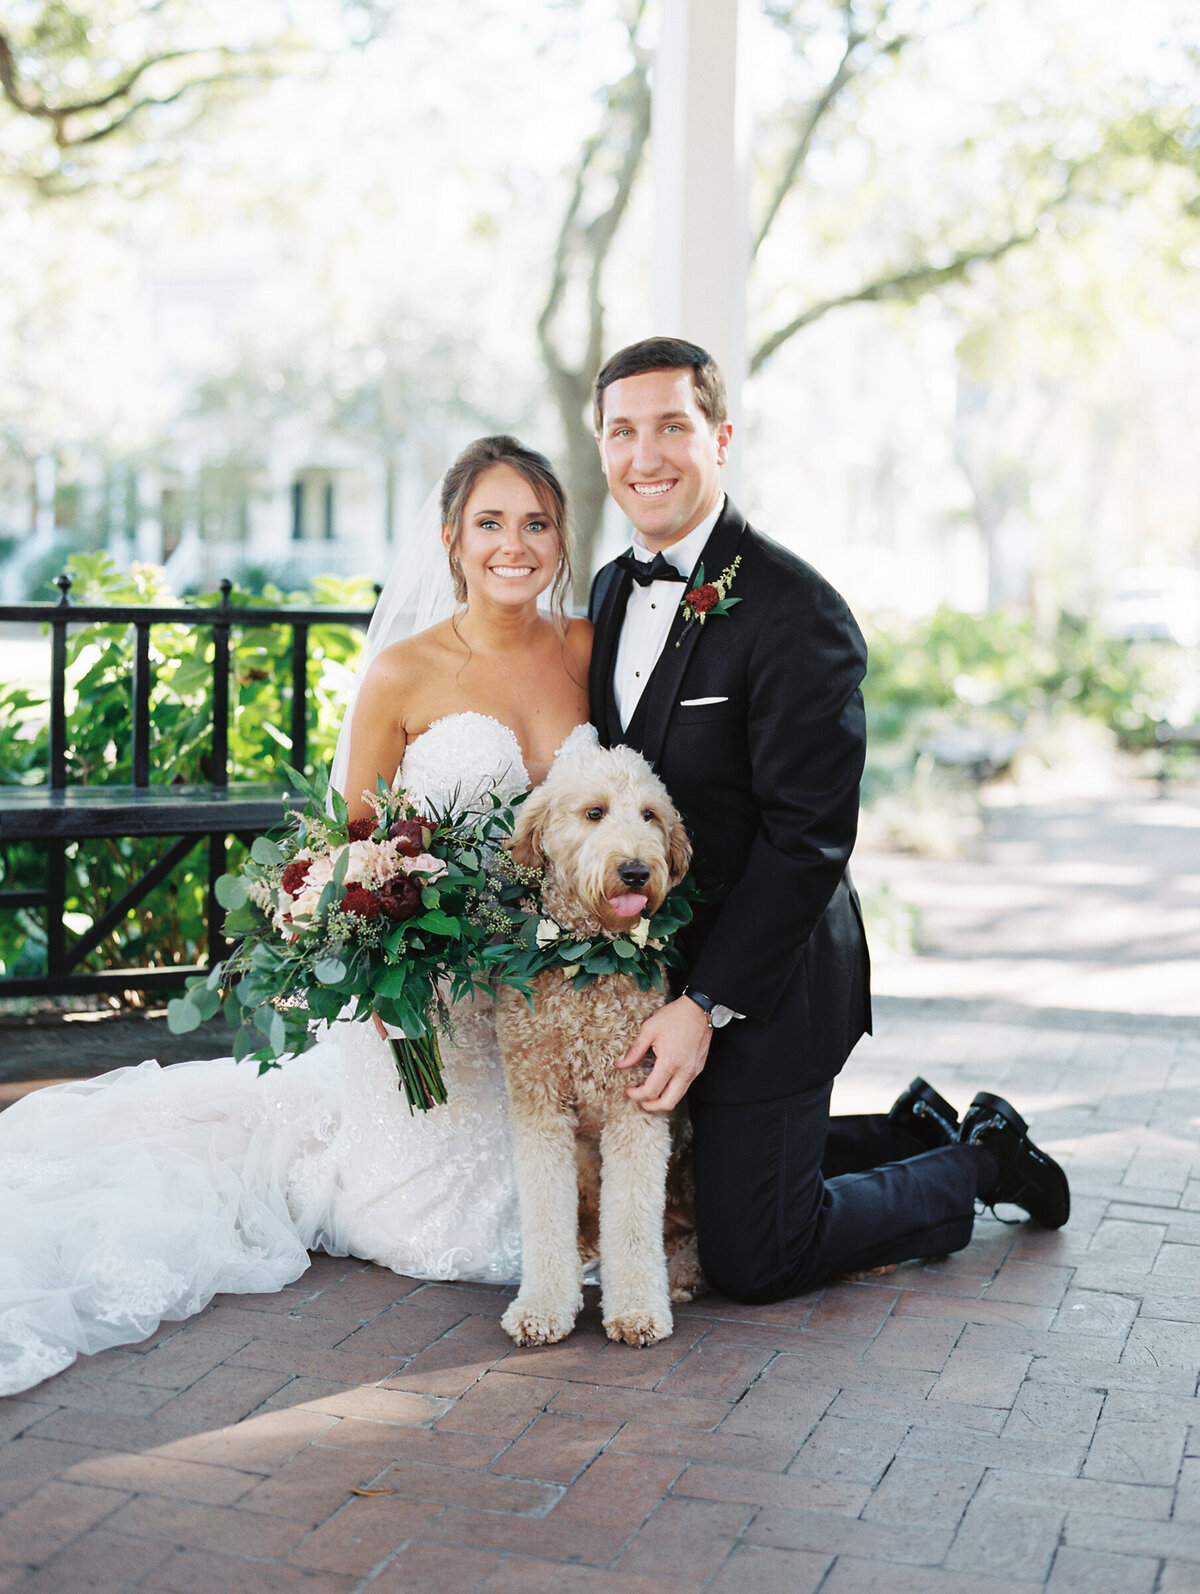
x,y
680,1037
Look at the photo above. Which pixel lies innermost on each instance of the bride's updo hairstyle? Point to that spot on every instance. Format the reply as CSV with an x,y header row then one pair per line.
x,y
459,481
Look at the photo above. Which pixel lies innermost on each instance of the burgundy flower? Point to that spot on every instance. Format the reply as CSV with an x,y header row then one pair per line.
x,y
295,875
361,829
400,897
361,901
411,836
702,599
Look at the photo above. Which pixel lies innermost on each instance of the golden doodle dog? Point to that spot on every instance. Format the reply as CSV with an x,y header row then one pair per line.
x,y
612,845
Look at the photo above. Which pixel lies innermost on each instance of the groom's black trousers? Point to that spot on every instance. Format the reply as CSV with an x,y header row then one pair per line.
x,y
787,1196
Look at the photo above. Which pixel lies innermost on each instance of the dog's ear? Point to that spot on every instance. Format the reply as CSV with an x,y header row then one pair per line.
x,y
525,845
679,856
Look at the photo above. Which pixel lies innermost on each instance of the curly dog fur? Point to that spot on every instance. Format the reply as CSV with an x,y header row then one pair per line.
x,y
597,814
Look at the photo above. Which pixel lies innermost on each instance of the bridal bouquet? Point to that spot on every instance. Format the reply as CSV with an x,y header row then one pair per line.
x,y
388,915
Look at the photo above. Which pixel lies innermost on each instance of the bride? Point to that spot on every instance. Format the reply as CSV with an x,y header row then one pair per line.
x,y
138,1195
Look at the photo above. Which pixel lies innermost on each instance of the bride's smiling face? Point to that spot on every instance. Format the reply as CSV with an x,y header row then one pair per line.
x,y
507,545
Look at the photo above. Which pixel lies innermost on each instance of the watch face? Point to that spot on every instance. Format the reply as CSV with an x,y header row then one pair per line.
x,y
720,1016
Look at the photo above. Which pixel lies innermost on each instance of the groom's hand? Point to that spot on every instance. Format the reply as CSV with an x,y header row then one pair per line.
x,y
680,1038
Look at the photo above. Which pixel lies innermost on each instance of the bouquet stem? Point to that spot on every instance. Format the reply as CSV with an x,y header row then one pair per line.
x,y
419,1064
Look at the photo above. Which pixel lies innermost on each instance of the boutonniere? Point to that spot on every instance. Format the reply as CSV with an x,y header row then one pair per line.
x,y
708,597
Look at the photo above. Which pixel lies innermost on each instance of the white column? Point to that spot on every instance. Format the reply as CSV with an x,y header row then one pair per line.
x,y
700,149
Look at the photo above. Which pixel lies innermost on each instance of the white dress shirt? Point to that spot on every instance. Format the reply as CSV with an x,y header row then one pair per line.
x,y
650,611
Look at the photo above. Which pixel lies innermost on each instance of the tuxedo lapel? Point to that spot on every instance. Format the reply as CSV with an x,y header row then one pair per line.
x,y
656,707
608,621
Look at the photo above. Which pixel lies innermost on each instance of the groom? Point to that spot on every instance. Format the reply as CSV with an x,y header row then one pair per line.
x,y
736,669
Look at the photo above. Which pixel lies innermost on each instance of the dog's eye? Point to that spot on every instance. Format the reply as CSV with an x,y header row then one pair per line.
x,y
594,814
648,815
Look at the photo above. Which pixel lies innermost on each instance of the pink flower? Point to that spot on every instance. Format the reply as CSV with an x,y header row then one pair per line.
x,y
425,863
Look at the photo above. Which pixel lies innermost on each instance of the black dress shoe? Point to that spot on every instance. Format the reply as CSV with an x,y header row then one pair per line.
x,y
925,1115
1028,1177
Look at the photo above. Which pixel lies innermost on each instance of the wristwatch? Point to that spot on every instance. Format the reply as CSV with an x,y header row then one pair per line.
x,y
718,1014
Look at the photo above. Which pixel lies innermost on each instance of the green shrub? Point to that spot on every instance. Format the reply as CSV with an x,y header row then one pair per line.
x,y
994,672
167,928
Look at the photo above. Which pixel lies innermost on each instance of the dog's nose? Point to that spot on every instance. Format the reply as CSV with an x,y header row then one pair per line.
x,y
633,874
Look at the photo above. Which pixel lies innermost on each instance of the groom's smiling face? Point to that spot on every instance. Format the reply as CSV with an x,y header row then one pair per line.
x,y
661,456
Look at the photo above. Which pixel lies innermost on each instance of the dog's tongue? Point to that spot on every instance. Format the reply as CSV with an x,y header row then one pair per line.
x,y
627,906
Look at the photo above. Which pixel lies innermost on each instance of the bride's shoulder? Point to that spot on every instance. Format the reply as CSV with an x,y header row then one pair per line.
x,y
410,657
577,637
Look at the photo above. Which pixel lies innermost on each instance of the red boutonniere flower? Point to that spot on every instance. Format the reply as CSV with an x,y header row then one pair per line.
x,y
708,597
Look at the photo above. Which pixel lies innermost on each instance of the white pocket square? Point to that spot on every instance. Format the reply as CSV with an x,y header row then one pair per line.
x,y
700,702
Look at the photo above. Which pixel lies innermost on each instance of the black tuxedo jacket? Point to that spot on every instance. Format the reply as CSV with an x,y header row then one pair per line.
x,y
766,776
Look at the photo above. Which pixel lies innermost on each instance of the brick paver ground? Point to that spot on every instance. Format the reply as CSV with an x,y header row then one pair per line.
x,y
1022,1416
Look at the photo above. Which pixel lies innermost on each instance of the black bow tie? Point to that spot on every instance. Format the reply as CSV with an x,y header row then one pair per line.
x,y
657,569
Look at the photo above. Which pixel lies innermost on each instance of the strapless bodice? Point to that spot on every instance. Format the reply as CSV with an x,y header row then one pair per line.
x,y
463,758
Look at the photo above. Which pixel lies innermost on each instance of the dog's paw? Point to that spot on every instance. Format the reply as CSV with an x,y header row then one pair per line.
x,y
640,1326
530,1321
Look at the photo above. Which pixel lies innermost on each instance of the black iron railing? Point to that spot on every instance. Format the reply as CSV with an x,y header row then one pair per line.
x,y
65,615
56,812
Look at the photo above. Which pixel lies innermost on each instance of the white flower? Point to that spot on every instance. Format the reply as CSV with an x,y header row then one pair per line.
x,y
547,932
320,873
570,970
304,906
260,894
639,934
361,869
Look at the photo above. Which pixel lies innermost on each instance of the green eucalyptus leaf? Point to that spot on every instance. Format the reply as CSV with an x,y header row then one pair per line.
x,y
241,921
183,1015
264,851
206,1002
230,890
329,970
262,1019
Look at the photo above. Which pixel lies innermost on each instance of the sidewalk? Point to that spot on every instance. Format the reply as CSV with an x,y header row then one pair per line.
x,y
1020,1417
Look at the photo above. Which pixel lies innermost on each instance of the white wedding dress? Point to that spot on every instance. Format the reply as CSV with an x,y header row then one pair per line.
x,y
139,1195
